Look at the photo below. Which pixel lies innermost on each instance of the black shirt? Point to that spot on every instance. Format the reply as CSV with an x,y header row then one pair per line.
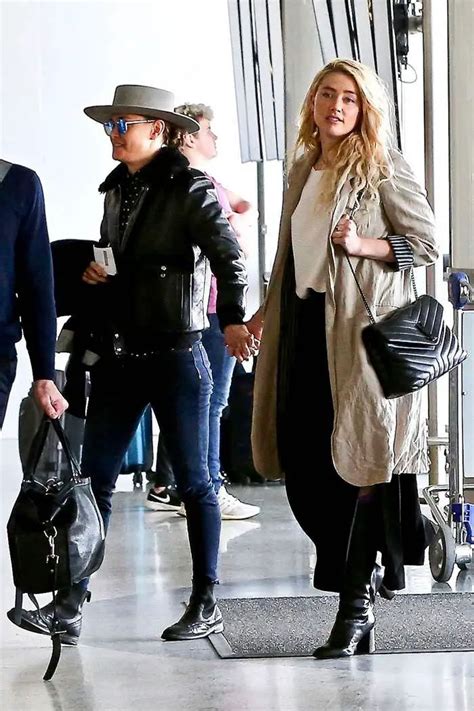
x,y
132,189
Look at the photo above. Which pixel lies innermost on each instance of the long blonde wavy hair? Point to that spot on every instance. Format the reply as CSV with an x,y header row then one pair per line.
x,y
365,152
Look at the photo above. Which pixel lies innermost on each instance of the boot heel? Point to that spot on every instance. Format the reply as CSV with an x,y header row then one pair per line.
x,y
88,596
386,593
367,643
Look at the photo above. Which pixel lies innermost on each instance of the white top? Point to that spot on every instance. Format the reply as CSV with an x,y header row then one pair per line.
x,y
310,225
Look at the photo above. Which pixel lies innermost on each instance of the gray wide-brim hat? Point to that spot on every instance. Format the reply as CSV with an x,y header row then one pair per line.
x,y
144,101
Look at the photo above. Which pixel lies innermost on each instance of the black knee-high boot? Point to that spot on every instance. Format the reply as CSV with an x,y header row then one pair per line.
x,y
201,618
353,630
69,602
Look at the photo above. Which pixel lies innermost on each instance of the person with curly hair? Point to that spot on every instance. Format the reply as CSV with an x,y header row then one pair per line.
x,y
200,148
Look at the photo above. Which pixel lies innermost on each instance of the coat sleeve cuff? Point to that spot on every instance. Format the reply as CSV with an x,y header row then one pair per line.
x,y
402,251
43,371
229,315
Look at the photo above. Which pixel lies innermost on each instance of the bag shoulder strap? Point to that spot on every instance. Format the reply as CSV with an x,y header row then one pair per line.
x,y
4,168
354,209
367,307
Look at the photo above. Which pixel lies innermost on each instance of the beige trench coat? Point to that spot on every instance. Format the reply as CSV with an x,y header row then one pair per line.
x,y
372,437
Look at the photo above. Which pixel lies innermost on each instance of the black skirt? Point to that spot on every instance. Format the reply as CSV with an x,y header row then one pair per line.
x,y
322,502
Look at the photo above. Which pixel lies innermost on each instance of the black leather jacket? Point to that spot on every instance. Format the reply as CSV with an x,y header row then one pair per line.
x,y
176,235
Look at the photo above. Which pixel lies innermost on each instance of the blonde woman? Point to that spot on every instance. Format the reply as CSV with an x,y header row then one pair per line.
x,y
349,456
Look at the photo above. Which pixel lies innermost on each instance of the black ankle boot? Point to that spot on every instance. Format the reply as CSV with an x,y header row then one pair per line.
x,y
69,602
353,630
201,618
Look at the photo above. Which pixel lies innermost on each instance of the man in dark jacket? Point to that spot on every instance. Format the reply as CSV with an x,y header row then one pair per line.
x,y
165,232
26,287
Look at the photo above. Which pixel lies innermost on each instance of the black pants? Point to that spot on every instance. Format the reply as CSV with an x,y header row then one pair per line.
x,y
322,502
7,376
178,386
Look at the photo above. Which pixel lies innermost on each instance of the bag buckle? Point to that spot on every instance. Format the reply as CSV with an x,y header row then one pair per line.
x,y
51,535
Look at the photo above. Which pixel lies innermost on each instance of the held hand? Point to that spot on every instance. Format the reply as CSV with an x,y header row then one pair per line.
x,y
95,274
239,342
345,235
255,326
49,398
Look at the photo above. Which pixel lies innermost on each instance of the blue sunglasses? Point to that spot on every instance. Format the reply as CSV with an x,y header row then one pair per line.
x,y
122,125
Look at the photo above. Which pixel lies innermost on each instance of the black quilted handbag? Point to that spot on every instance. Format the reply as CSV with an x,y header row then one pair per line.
x,y
412,346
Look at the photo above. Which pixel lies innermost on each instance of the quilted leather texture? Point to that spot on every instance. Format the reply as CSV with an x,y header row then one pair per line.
x,y
411,347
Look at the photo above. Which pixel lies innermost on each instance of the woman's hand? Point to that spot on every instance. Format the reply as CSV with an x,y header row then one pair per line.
x,y
345,236
239,342
95,274
255,326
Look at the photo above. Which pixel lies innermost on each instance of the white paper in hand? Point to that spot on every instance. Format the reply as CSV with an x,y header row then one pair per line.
x,y
105,257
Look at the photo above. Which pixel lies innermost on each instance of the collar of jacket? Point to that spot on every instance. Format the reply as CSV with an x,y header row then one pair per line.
x,y
167,162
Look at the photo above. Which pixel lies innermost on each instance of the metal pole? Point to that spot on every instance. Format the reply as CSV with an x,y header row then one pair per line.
x,y
456,447
428,71
262,228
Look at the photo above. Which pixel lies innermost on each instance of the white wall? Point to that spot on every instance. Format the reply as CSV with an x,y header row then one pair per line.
x,y
57,57
413,137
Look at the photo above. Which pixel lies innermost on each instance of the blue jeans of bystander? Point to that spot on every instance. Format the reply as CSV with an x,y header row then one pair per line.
x,y
222,367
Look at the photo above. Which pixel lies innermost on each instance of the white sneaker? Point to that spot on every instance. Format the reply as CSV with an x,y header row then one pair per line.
x,y
232,509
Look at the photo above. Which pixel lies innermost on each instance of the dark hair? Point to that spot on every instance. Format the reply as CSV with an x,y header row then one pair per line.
x,y
167,128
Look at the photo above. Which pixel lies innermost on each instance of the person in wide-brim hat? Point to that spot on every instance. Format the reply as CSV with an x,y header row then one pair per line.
x,y
144,101
141,323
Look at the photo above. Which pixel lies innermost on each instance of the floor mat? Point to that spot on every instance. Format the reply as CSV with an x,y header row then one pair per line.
x,y
294,626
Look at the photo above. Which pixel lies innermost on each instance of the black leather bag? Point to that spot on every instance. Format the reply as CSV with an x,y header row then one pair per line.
x,y
410,347
55,531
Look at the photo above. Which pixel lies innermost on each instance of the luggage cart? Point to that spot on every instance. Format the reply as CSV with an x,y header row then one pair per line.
x,y
455,522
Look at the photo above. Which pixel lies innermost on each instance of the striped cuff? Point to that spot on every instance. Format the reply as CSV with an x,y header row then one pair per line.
x,y
402,251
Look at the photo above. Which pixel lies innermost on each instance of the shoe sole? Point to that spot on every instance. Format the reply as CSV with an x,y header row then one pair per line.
x,y
227,517
156,506
29,626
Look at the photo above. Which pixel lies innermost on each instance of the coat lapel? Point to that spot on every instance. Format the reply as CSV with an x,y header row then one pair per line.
x,y
347,199
298,178
298,181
